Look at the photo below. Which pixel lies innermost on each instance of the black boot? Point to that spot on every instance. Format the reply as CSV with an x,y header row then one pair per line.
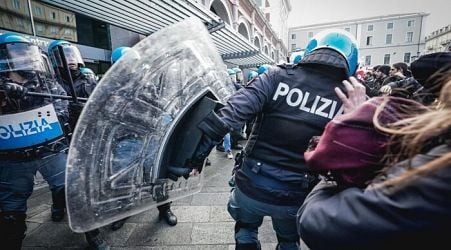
x,y
167,214
95,241
12,229
59,204
118,224
247,246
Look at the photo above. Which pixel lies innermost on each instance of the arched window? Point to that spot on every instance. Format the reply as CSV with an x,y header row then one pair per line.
x,y
242,29
219,9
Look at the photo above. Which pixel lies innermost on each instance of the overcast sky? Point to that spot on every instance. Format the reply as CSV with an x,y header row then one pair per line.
x,y
306,12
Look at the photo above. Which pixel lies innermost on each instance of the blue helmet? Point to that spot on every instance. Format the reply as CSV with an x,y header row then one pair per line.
x,y
251,75
231,72
71,52
262,69
86,71
339,40
118,53
18,54
296,57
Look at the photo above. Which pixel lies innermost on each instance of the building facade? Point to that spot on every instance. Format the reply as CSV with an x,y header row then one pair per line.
x,y
381,39
262,22
439,40
98,27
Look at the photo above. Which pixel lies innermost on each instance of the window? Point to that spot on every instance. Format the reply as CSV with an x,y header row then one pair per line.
x,y
410,23
16,4
409,37
388,38
367,60
407,57
369,40
53,30
52,15
389,26
293,36
37,11
370,27
310,34
348,29
293,47
39,28
67,32
387,59
20,23
67,19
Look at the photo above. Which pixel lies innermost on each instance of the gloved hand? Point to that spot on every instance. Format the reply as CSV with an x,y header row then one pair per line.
x,y
15,91
385,90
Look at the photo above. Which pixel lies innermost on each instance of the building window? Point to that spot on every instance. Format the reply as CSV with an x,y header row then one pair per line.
x,y
370,27
16,4
20,23
68,19
388,39
409,37
407,57
389,26
410,23
293,36
310,34
293,47
367,60
387,59
348,29
67,32
53,30
37,11
52,15
369,40
39,28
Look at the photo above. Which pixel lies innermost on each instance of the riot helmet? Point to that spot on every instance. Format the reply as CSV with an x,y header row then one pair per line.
x,y
262,69
71,52
239,74
88,73
339,40
18,54
251,75
232,74
296,57
118,53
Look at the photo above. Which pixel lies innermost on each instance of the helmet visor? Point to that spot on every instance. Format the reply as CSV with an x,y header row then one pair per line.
x,y
20,57
72,54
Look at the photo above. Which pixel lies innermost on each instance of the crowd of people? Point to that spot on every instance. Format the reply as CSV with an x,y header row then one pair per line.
x,y
338,157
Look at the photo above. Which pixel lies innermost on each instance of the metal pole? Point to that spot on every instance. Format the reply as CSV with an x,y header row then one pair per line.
x,y
31,17
64,97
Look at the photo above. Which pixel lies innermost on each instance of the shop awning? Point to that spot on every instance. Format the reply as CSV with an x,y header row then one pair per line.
x,y
148,16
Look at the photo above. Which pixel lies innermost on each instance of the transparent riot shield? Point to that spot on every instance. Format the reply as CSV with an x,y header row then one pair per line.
x,y
140,121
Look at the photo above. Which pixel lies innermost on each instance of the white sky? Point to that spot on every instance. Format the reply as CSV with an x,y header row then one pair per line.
x,y
307,12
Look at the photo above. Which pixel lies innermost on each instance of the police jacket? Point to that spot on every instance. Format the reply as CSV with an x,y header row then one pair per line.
x,y
416,215
13,106
83,85
291,105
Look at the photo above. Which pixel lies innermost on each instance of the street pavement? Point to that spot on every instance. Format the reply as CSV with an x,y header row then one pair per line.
x,y
203,221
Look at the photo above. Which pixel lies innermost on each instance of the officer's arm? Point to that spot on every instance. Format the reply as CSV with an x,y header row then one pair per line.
x,y
249,100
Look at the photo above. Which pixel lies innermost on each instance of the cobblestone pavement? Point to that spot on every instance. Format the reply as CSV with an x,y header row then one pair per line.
x,y
203,221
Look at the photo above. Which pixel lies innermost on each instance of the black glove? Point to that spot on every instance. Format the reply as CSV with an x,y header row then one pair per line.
x,y
15,91
213,129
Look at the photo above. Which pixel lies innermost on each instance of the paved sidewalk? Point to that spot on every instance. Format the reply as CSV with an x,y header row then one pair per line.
x,y
203,221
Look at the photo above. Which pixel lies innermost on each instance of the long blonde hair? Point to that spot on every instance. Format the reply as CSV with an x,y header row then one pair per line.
x,y
410,135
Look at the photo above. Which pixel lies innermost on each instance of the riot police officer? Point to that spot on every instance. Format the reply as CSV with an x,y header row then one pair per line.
x,y
292,104
165,211
32,137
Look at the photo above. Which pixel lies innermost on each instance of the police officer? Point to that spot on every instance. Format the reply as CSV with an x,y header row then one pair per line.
x,y
292,104
83,85
32,137
296,57
165,212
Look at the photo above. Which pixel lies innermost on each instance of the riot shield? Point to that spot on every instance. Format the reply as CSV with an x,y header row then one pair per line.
x,y
140,121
